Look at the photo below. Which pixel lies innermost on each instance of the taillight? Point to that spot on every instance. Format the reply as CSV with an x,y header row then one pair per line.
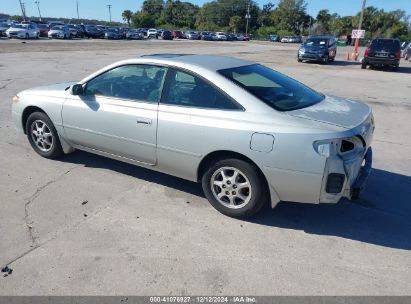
x,y
398,54
366,52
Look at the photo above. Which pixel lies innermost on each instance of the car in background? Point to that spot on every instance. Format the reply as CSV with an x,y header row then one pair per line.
x,y
221,36
191,35
60,32
407,55
318,48
73,30
275,38
404,48
92,31
4,26
166,35
285,39
23,31
54,23
295,39
134,34
152,33
177,34
231,37
112,33
249,134
243,37
44,29
384,52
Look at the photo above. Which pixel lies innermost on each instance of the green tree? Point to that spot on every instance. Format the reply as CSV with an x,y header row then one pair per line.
x,y
127,14
234,23
291,16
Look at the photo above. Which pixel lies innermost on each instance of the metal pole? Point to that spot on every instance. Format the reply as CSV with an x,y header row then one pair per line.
x,y
78,16
109,10
23,10
38,8
357,40
247,17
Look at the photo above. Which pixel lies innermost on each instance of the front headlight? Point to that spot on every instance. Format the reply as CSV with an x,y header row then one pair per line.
x,y
301,50
16,99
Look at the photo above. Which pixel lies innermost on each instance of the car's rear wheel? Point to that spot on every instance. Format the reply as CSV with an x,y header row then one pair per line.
x,y
43,136
235,188
363,65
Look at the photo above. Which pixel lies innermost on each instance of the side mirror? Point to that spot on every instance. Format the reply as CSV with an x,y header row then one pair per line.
x,y
76,89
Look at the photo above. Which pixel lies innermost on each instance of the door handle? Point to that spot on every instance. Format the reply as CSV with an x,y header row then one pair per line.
x,y
144,121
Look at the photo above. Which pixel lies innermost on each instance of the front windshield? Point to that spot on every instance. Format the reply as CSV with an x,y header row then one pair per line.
x,y
316,42
273,88
57,28
22,26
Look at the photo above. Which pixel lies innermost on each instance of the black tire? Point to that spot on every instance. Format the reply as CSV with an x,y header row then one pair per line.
x,y
55,149
325,60
257,192
395,68
363,65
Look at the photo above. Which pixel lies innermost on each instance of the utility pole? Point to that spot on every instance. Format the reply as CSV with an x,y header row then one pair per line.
x,y
357,40
23,10
38,8
247,17
78,15
109,10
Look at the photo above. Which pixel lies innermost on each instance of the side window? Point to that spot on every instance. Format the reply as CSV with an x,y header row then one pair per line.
x,y
184,89
137,82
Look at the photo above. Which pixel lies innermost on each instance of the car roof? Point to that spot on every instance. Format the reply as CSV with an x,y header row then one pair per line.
x,y
208,62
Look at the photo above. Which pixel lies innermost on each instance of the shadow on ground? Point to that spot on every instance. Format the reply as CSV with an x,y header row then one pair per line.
x,y
381,217
401,69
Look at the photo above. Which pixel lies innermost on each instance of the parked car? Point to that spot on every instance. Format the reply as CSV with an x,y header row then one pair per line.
x,y
192,35
243,37
166,35
404,48
231,37
295,39
134,34
221,36
93,32
382,52
318,48
248,142
73,30
275,38
60,32
152,33
285,39
3,28
23,31
407,56
43,29
112,33
177,34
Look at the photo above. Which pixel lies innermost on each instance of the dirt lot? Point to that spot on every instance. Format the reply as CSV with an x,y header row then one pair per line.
x,y
92,226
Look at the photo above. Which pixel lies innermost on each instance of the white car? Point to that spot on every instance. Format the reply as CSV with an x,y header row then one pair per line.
x,y
60,31
221,36
285,39
152,33
23,31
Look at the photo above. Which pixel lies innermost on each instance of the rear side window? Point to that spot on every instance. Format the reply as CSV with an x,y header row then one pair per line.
x,y
184,89
273,88
385,44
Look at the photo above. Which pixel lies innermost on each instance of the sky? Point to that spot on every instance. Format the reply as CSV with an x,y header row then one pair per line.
x,y
97,9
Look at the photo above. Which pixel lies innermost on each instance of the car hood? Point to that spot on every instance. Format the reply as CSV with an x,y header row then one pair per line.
x,y
16,29
56,31
335,111
57,89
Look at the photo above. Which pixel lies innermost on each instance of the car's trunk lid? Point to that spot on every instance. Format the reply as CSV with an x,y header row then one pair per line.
x,y
335,111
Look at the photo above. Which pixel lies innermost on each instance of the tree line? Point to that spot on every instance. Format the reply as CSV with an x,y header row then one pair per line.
x,y
287,17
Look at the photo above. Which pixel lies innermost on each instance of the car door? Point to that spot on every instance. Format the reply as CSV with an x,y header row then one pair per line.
x,y
117,113
188,104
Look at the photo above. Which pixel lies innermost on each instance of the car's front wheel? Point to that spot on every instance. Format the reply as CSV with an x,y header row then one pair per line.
x,y
235,188
43,136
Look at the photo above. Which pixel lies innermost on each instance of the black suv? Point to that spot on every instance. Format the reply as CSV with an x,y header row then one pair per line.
x,y
382,52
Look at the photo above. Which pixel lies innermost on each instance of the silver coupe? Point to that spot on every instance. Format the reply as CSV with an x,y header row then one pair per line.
x,y
249,134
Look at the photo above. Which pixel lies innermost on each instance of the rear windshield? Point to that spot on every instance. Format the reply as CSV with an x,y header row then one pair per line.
x,y
385,44
273,88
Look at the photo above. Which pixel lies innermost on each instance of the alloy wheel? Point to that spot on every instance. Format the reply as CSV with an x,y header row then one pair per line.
x,y
41,135
231,187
